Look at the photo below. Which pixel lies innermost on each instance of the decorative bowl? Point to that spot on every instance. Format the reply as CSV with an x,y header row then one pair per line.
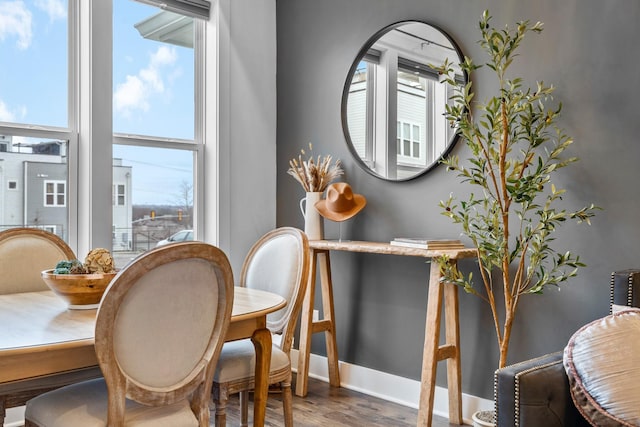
x,y
80,291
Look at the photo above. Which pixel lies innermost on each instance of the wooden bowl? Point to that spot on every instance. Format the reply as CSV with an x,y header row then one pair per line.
x,y
80,291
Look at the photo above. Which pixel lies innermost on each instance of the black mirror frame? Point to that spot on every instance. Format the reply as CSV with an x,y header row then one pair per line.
x,y
347,85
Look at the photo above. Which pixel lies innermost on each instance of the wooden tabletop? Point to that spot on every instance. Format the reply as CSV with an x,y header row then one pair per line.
x,y
37,326
389,249
251,302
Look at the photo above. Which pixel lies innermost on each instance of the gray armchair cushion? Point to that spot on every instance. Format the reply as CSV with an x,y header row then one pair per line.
x,y
602,362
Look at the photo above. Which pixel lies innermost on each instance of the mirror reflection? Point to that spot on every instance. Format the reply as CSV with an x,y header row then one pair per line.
x,y
393,102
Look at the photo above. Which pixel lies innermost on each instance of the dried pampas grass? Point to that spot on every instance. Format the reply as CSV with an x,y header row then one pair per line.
x,y
314,174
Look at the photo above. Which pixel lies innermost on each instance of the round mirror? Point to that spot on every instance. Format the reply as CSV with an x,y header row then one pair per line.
x,y
393,102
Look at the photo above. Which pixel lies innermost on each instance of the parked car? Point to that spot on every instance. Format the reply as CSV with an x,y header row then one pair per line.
x,y
180,236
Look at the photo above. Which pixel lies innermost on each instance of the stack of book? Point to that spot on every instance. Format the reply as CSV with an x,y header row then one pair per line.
x,y
431,244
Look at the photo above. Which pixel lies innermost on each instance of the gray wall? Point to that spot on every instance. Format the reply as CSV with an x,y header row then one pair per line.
x,y
588,50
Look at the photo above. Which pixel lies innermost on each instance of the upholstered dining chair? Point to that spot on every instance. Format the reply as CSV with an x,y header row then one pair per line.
x,y
159,330
24,253
278,262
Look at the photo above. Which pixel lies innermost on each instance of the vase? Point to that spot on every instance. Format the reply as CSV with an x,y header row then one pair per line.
x,y
483,419
313,224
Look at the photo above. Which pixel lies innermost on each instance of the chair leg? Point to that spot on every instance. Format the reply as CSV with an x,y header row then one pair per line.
x,y
220,398
287,403
244,408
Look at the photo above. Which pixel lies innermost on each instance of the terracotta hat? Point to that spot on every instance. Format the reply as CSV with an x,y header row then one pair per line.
x,y
341,203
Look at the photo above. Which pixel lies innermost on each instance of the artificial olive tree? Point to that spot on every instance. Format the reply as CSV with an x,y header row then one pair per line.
x,y
513,210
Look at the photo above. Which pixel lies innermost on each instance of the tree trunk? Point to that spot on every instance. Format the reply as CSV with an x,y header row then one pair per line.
x,y
506,337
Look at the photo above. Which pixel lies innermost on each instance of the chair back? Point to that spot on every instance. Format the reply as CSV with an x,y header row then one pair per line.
x,y
24,254
279,263
160,327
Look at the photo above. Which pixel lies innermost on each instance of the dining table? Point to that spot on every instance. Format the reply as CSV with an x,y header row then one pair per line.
x,y
41,336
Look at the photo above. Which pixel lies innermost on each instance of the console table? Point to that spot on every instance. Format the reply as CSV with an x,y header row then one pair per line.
x,y
438,294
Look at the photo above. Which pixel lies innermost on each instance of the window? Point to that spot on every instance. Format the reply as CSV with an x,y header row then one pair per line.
x,y
155,53
409,142
55,193
153,71
35,128
360,117
151,111
118,195
37,175
33,37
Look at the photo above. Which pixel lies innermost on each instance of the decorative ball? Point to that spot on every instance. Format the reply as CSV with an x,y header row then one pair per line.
x,y
99,260
77,268
69,267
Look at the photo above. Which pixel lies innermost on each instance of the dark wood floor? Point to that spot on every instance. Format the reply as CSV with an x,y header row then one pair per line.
x,y
326,406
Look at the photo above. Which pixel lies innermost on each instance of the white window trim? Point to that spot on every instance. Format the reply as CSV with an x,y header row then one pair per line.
x,y
215,128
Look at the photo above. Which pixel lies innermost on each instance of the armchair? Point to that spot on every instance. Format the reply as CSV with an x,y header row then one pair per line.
x,y
537,392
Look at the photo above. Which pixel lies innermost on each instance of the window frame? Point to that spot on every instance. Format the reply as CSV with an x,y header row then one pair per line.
x,y
196,146
90,123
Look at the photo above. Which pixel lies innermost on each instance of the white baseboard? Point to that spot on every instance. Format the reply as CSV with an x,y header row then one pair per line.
x,y
14,417
400,390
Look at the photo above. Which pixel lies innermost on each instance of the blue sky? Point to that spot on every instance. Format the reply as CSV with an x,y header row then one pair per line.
x,y
152,86
32,36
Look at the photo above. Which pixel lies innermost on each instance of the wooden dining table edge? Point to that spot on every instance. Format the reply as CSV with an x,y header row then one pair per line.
x,y
25,363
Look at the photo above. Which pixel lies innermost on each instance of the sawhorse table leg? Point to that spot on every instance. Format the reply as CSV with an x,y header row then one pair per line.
x,y
327,324
434,352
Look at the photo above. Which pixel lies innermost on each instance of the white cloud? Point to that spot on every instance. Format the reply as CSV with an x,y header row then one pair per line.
x,y
153,79
12,114
5,114
131,95
135,92
175,74
163,56
15,20
54,8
